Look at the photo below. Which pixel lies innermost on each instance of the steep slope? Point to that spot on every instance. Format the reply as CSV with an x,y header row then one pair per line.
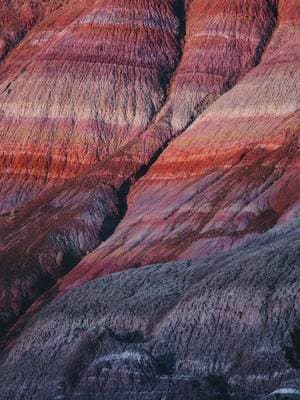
x,y
79,87
225,193
74,224
231,176
155,331
49,108
19,16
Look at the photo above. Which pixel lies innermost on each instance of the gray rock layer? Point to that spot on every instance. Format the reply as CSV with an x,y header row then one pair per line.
x,y
155,332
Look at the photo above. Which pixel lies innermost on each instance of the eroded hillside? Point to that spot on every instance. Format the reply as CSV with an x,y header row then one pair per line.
x,y
91,84
146,134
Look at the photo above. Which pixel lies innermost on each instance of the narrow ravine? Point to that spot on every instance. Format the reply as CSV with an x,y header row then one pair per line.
x,y
24,217
117,175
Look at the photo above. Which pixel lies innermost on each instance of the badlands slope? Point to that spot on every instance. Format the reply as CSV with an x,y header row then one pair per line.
x,y
80,86
55,132
19,16
233,174
164,131
167,330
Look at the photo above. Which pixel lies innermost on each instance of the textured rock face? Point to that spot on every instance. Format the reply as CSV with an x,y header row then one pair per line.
x,y
79,99
93,78
66,225
232,175
139,333
81,85
18,17
89,100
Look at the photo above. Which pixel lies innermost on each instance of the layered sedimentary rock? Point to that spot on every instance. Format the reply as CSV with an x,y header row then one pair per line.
x,y
80,99
18,17
82,121
80,86
231,176
66,226
155,331
71,98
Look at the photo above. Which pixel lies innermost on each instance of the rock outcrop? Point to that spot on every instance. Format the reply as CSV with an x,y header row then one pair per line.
x,y
157,133
19,16
229,177
285,393
139,333
105,84
81,86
